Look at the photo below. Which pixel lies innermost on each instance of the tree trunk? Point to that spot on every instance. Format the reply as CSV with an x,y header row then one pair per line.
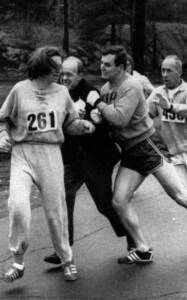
x,y
113,34
154,62
138,33
66,28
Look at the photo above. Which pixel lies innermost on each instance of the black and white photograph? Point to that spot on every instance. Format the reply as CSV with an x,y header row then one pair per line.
x,y
93,150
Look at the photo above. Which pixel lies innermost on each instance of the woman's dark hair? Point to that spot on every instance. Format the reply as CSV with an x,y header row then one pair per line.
x,y
40,62
119,52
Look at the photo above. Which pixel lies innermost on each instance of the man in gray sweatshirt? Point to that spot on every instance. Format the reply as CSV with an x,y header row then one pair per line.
x,y
122,104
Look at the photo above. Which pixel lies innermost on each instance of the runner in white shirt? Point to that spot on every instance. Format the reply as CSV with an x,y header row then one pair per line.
x,y
169,103
32,120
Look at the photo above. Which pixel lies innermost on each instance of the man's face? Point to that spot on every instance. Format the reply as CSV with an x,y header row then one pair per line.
x,y
170,73
56,70
108,68
70,76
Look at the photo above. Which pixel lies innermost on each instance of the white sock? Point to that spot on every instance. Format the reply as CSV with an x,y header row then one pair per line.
x,y
19,266
143,248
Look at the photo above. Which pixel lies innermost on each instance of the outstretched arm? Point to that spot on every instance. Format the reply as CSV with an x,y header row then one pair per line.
x,y
178,108
119,113
79,127
7,111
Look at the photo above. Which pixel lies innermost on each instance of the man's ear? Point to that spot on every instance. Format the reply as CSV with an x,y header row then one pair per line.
x,y
79,78
121,66
81,75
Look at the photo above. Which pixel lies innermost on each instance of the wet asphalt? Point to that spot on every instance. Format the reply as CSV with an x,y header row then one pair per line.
x,y
96,250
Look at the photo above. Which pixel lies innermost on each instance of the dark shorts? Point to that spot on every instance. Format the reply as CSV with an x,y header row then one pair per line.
x,y
145,157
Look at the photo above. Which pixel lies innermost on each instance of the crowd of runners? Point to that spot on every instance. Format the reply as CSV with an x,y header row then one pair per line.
x,y
63,132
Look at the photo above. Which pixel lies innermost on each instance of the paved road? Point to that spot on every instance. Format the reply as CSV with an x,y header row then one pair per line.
x,y
96,250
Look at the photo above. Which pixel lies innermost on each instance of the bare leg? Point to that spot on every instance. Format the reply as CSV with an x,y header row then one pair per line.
x,y
170,181
126,182
182,173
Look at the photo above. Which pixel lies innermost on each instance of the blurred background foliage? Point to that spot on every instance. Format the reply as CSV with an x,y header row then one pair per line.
x,y
149,29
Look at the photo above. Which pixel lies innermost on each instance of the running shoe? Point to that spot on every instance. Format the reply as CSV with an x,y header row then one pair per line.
x,y
13,273
70,271
136,256
53,259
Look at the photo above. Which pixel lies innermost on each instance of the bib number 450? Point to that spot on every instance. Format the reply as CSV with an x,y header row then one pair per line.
x,y
172,117
42,121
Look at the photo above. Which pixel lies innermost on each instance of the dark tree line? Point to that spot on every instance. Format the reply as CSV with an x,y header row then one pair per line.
x,y
95,15
89,19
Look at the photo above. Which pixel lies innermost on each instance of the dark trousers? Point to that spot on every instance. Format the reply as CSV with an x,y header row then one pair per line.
x,y
98,179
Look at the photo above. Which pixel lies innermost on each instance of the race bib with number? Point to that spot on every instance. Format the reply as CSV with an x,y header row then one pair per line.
x,y
172,117
42,121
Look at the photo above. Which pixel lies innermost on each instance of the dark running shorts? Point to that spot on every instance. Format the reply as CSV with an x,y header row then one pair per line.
x,y
145,157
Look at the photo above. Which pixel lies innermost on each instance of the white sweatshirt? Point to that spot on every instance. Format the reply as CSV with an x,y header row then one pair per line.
x,y
37,116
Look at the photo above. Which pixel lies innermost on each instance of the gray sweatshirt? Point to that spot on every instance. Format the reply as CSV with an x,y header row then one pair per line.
x,y
127,112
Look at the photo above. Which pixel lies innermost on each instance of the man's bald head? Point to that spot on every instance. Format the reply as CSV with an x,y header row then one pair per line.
x,y
171,70
72,71
175,63
75,63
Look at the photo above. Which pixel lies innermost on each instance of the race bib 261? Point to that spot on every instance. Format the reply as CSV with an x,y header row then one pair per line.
x,y
42,121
